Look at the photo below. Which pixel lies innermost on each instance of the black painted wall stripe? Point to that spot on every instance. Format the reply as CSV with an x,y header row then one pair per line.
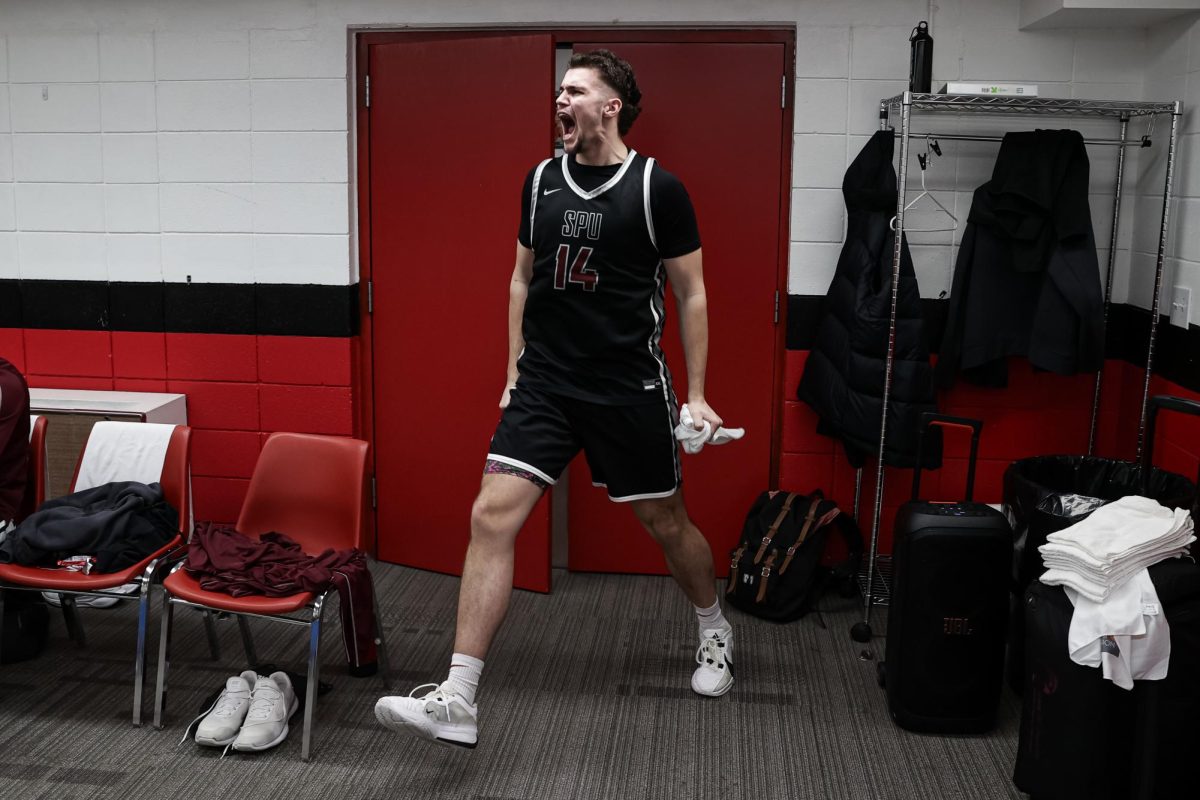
x,y
65,304
209,308
1176,350
268,309
305,309
317,310
136,307
803,314
1176,355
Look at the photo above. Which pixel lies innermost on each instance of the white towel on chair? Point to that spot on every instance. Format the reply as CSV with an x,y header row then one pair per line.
x,y
124,451
693,440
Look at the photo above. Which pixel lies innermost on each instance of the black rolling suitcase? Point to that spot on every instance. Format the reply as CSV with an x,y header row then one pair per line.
x,y
948,613
1083,738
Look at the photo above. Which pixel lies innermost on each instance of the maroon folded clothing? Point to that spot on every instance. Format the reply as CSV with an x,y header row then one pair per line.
x,y
224,560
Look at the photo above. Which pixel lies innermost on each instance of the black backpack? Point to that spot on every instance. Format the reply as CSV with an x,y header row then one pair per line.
x,y
775,572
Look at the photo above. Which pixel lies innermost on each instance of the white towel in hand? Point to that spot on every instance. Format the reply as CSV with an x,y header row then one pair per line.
x,y
693,440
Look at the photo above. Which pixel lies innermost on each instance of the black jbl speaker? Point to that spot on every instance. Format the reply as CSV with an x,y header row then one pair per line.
x,y
948,615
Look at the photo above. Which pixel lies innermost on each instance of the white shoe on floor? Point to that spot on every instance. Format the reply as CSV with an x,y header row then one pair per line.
x,y
221,724
272,704
714,676
441,715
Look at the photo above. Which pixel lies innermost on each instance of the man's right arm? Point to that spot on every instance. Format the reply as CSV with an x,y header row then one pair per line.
x,y
518,290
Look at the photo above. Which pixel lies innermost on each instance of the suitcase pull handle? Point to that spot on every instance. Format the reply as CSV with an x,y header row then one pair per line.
x,y
928,420
1170,403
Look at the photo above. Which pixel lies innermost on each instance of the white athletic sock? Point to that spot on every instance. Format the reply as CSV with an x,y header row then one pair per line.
x,y
711,618
464,676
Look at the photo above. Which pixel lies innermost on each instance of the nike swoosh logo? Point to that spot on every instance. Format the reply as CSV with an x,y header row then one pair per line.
x,y
551,191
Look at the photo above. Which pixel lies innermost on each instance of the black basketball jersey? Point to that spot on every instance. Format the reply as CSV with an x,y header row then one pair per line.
x,y
594,313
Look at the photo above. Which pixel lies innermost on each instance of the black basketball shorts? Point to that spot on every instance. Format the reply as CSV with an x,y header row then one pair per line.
x,y
631,450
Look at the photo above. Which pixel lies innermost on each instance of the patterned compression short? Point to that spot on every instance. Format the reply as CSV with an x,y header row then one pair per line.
x,y
493,467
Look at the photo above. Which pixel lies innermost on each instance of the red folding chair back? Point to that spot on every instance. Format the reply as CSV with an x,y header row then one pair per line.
x,y
311,488
35,484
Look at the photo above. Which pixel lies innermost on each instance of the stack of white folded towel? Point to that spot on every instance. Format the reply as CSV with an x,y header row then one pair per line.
x,y
1097,555
1101,563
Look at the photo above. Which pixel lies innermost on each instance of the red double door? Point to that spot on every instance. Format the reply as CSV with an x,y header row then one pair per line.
x,y
454,125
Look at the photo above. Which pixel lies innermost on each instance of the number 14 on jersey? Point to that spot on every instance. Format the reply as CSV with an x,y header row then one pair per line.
x,y
568,270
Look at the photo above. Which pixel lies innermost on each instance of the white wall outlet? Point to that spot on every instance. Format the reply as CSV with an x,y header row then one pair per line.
x,y
1181,301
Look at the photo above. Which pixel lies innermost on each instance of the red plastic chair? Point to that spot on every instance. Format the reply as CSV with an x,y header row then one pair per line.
x,y
313,489
175,482
35,483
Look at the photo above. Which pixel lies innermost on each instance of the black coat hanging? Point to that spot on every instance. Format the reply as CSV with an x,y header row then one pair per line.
x,y
844,374
1027,280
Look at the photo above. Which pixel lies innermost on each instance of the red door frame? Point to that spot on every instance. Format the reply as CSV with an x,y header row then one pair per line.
x,y
364,412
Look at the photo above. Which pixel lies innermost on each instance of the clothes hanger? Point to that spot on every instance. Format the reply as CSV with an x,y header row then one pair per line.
x,y
923,159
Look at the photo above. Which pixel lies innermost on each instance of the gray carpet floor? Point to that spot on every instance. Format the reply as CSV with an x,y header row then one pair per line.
x,y
585,695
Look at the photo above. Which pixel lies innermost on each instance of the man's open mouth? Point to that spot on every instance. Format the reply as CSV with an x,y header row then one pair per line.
x,y
567,123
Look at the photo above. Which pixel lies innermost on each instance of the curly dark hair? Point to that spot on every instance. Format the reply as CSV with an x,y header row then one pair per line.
x,y
616,72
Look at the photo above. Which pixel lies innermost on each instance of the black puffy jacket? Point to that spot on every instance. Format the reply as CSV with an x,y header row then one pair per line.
x,y
120,523
843,377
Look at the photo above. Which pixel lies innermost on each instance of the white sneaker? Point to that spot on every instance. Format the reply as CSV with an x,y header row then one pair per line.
x,y
92,601
441,715
223,720
272,704
714,676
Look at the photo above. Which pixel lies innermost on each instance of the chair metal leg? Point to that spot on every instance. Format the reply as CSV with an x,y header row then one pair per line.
x,y
247,641
164,646
71,618
210,629
314,673
381,647
139,660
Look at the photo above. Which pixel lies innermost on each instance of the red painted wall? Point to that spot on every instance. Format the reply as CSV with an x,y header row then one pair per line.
x,y
239,389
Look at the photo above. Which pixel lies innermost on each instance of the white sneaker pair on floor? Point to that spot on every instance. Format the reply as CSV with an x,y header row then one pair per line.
x,y
443,715
250,714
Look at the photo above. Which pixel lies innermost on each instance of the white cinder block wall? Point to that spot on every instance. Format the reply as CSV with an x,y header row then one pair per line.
x,y
1172,72
174,140
151,147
